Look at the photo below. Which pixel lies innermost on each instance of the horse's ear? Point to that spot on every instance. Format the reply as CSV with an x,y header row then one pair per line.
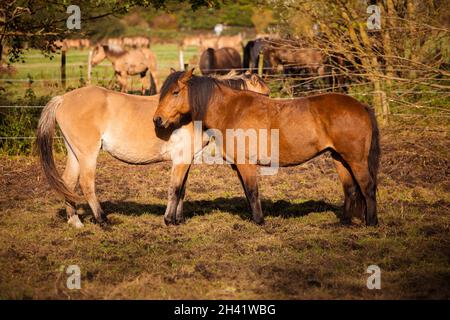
x,y
254,79
172,70
186,76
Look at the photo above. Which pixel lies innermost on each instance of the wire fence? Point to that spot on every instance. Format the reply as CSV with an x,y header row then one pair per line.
x,y
307,82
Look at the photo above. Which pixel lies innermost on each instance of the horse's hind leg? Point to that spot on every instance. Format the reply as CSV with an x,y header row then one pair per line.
x,y
70,177
145,83
87,184
354,203
368,188
123,82
248,177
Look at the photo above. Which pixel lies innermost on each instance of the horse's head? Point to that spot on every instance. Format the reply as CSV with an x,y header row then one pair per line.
x,y
98,55
173,99
255,83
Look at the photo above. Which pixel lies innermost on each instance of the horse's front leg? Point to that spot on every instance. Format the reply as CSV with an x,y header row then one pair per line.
x,y
122,79
176,192
179,218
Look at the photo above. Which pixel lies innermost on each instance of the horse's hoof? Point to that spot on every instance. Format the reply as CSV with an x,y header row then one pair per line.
x,y
346,221
372,222
179,220
102,221
168,221
258,220
75,222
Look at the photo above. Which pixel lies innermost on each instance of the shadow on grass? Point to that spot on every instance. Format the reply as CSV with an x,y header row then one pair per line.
x,y
235,205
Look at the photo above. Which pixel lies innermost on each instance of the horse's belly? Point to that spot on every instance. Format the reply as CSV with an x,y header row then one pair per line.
x,y
132,151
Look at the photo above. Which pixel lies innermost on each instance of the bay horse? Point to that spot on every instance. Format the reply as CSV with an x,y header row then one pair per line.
x,y
306,126
127,63
219,61
252,50
94,118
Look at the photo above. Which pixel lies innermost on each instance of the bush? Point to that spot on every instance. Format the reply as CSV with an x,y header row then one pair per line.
x,y
17,124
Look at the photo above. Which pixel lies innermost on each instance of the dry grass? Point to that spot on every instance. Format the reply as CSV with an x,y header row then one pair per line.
x,y
301,252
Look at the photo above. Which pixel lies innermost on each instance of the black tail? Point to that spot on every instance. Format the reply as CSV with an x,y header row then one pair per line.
x,y
210,60
247,51
374,152
153,90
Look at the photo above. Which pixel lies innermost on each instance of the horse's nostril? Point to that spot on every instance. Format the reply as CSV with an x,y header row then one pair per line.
x,y
157,120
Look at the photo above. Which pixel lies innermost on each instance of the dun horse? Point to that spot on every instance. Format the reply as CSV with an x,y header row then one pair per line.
x,y
126,63
219,61
307,127
94,118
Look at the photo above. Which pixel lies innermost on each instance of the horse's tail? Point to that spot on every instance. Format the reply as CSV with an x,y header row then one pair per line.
x,y
153,89
374,151
247,51
210,59
44,144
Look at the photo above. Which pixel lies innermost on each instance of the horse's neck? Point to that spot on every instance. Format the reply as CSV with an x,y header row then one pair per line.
x,y
218,110
110,57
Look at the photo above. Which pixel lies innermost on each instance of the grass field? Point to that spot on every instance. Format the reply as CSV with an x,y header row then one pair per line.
x,y
301,252
45,72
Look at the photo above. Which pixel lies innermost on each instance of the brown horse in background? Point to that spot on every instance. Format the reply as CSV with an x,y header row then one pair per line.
x,y
307,127
220,61
94,118
127,63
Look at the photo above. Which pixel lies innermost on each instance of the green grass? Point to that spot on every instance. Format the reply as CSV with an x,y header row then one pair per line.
x,y
44,73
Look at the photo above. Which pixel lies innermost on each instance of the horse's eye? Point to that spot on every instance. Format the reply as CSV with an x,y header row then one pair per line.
x,y
175,93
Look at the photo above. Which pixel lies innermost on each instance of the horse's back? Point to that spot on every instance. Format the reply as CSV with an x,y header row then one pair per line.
x,y
230,56
83,104
121,123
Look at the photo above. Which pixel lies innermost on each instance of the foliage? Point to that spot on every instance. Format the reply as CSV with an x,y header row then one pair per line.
x,y
16,123
39,23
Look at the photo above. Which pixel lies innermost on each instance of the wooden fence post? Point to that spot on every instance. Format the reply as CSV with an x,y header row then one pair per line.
x,y
260,63
63,68
89,68
181,59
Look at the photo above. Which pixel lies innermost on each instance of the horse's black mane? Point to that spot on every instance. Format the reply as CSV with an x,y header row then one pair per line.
x,y
200,90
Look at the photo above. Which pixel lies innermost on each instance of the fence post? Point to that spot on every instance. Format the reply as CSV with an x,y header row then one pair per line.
x,y
260,63
381,105
385,107
181,59
89,69
63,68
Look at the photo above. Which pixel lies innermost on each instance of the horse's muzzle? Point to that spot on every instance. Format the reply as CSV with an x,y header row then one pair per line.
x,y
157,120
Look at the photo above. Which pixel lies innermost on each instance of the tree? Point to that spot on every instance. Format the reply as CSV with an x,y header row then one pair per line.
x,y
41,22
411,47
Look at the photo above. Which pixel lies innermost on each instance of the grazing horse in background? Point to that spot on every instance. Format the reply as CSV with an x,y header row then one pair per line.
x,y
234,42
306,128
252,50
220,61
94,118
126,63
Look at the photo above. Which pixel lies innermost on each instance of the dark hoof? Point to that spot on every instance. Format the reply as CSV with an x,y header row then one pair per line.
x,y
168,221
346,221
259,220
179,220
102,221
372,222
